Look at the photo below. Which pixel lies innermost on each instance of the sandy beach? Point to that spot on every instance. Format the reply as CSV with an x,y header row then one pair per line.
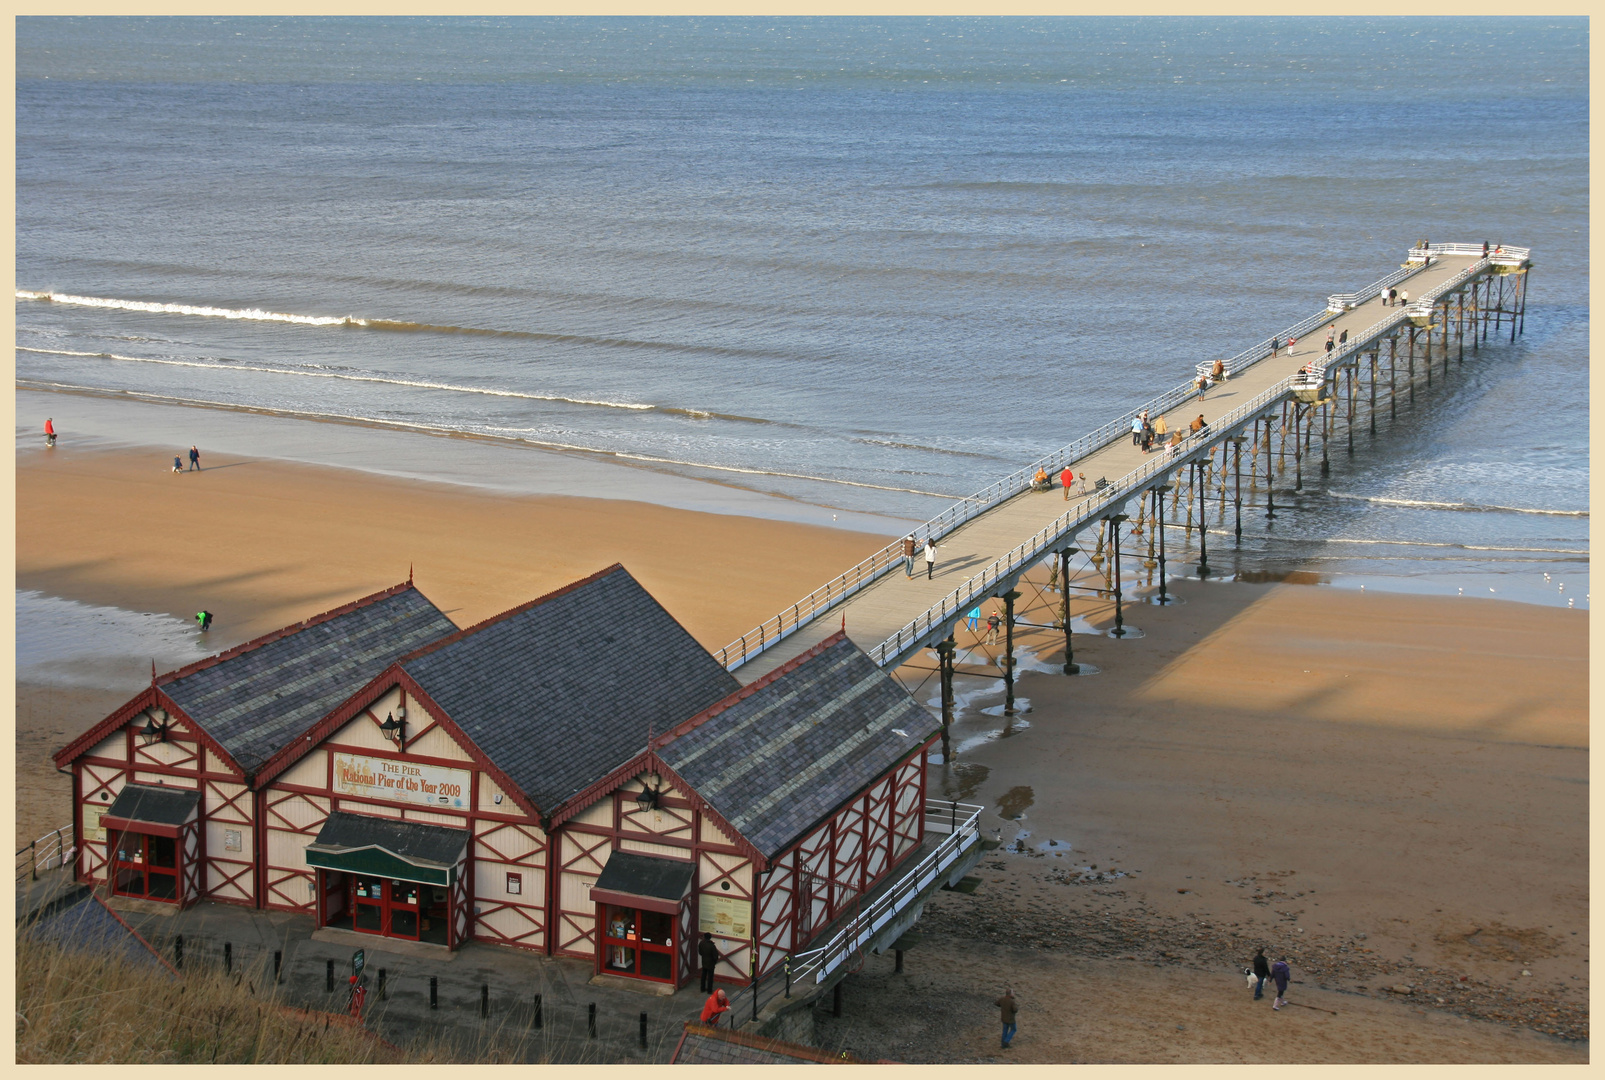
x,y
1390,790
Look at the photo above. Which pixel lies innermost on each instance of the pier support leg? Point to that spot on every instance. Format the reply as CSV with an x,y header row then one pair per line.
x,y
1159,504
1203,533
1410,361
944,656
1070,665
1270,493
1237,498
1349,423
1521,312
1008,645
1460,327
1326,430
1374,354
1393,369
1298,454
1114,550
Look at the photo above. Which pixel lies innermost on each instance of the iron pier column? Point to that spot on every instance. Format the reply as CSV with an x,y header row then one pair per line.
x,y
1114,521
1070,665
944,657
1008,648
1237,498
1203,545
1159,515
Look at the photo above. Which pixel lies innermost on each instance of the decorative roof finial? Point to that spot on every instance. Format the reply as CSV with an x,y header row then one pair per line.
x,y
409,573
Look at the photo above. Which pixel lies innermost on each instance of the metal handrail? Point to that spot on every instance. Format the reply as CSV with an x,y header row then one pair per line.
x,y
822,961
780,626
856,578
982,585
1469,249
52,850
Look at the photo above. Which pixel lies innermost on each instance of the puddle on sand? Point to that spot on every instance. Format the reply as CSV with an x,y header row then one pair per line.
x,y
1012,804
963,778
1290,577
63,642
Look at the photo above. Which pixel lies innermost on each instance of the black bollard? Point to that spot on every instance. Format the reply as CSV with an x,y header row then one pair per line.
x,y
381,988
278,962
328,976
643,1031
434,992
590,1019
537,1011
228,958
178,951
484,1000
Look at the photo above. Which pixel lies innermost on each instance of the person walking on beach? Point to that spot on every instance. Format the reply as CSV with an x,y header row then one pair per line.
x,y
178,463
194,459
908,555
1280,973
1262,971
1066,478
716,1006
50,432
930,559
972,618
708,955
992,624
1009,1009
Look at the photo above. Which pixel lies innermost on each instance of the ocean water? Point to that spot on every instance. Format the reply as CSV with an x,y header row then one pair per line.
x,y
866,265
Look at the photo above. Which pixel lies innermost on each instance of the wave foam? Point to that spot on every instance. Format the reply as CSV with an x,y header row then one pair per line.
x,y
1474,507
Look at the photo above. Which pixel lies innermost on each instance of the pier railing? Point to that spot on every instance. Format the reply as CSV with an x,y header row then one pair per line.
x,y
855,579
50,851
1013,562
959,825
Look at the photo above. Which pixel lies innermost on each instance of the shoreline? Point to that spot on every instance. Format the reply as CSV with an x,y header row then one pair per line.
x,y
515,470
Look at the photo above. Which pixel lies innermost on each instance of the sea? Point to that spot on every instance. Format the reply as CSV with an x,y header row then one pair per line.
x,y
830,269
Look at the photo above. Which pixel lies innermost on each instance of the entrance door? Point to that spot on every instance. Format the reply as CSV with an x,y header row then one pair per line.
x,y
637,943
387,907
145,866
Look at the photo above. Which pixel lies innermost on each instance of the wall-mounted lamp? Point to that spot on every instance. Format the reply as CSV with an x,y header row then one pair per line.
x,y
155,728
395,726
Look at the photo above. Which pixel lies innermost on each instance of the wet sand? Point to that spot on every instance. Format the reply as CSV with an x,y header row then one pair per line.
x,y
1276,764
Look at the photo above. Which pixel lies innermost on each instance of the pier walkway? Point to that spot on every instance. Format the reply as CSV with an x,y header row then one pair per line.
x,y
987,541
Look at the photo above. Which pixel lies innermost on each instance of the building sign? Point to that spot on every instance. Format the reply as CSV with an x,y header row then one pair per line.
x,y
401,781
232,840
94,831
724,915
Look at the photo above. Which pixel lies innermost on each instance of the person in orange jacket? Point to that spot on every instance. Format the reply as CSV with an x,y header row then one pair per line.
x,y
716,1006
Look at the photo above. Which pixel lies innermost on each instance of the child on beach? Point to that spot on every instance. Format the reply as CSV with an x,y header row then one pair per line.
x,y
178,463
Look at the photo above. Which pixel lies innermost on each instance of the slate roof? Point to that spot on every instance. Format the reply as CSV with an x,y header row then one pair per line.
x,y
410,840
156,805
561,690
642,875
254,699
783,757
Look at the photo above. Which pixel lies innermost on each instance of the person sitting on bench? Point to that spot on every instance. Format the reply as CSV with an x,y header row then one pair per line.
x,y
1040,481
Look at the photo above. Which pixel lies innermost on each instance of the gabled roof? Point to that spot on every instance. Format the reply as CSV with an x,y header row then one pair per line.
x,y
255,698
779,756
559,690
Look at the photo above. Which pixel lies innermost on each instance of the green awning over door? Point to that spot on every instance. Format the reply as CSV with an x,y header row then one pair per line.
x,y
381,847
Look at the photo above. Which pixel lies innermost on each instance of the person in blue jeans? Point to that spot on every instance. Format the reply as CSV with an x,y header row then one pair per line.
x,y
1262,971
1009,1009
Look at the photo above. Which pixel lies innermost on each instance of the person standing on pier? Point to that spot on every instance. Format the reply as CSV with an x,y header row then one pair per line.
x,y
1404,298
930,559
1136,429
1275,344
1159,429
1066,478
1202,383
1343,338
908,555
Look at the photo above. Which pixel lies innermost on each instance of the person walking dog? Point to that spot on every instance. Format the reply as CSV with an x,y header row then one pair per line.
x,y
1262,971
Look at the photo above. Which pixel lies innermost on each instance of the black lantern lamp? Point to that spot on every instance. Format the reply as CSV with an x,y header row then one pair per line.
x,y
155,729
395,725
647,799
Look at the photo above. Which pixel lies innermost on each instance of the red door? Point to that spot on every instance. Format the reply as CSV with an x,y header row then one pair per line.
x,y
636,943
144,866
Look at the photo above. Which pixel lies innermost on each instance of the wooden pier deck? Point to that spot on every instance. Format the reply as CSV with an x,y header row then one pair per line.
x,y
983,556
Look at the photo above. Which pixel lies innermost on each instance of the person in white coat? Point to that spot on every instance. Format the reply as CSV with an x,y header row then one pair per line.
x,y
930,559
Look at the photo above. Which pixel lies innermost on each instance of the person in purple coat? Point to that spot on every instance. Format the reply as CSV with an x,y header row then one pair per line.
x,y
1280,973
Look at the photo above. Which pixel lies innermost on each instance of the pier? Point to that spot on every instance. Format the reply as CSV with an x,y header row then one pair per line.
x,y
1278,409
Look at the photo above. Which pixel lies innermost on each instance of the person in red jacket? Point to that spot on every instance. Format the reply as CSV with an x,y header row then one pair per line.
x,y
1066,478
50,432
716,1006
